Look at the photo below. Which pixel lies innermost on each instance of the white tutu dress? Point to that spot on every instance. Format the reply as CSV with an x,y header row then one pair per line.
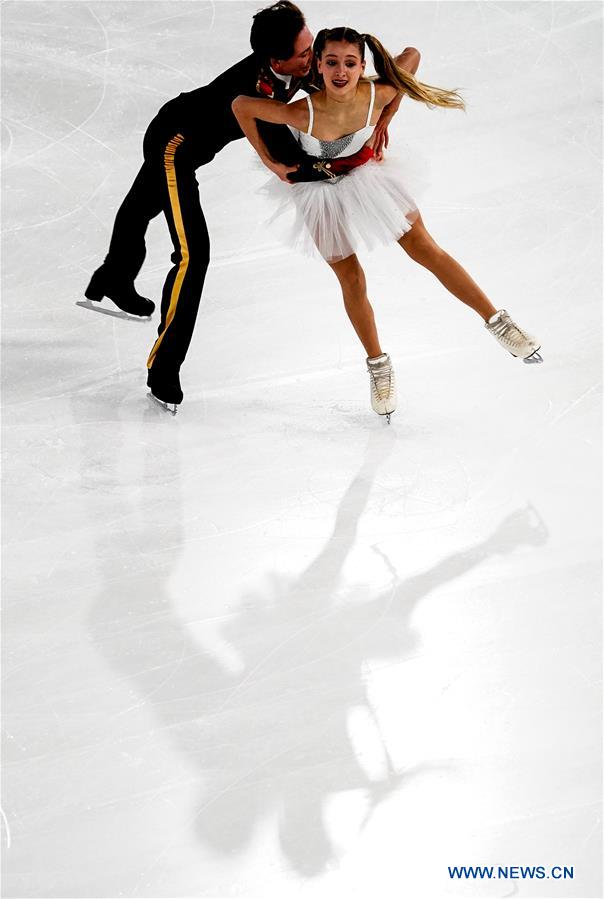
x,y
367,207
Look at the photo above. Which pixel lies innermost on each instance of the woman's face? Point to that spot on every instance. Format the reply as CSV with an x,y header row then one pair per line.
x,y
341,67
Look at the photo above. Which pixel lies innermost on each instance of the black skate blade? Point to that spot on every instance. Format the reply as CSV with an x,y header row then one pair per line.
x,y
534,358
116,313
171,408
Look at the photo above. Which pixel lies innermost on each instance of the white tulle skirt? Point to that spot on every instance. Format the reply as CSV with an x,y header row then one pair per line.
x,y
364,209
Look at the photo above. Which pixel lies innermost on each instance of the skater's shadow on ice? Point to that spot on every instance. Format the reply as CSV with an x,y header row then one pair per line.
x,y
263,701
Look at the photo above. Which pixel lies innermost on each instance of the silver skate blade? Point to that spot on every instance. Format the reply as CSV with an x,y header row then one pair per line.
x,y
171,408
116,313
533,358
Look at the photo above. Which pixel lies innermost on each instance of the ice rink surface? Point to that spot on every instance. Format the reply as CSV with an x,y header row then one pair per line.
x,y
273,648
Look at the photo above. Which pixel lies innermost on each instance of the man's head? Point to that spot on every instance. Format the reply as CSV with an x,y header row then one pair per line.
x,y
280,36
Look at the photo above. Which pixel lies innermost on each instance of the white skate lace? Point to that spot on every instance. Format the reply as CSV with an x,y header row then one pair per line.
x,y
382,379
508,331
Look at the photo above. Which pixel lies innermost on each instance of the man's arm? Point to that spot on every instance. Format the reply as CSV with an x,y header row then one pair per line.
x,y
409,61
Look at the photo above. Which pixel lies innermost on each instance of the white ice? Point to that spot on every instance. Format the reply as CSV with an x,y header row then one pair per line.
x,y
274,647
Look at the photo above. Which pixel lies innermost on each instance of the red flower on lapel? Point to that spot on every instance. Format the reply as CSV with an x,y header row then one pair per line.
x,y
264,87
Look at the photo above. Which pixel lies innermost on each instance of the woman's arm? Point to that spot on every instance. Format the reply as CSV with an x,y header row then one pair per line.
x,y
248,109
274,111
409,61
386,95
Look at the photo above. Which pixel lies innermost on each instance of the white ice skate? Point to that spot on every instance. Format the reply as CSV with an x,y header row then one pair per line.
x,y
382,385
512,338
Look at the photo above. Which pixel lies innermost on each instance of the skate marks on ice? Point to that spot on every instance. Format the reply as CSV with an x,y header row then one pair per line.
x,y
262,703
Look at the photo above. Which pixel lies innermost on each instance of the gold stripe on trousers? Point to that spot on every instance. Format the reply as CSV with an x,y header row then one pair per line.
x,y
170,169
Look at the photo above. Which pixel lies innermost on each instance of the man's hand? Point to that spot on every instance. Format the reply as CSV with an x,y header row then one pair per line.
x,y
280,170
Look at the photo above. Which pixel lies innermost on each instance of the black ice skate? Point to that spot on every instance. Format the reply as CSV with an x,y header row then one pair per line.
x,y
131,304
165,389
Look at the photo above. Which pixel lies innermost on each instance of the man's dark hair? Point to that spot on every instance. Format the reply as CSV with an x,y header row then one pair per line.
x,y
275,29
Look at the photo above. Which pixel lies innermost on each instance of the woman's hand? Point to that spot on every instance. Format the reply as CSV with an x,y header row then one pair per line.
x,y
379,140
389,99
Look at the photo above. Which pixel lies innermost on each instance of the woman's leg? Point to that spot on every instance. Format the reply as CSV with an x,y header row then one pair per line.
x,y
354,291
422,248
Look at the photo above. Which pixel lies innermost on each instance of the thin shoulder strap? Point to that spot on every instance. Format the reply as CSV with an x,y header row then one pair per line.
x,y
371,102
311,114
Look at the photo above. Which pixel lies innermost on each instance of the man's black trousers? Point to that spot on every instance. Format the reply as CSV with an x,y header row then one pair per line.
x,y
167,183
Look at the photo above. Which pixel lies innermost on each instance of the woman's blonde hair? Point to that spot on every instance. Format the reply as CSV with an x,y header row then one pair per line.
x,y
387,69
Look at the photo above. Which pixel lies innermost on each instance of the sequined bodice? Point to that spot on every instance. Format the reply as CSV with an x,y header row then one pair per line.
x,y
347,145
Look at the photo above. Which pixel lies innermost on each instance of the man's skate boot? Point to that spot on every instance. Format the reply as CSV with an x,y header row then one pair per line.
x,y
382,385
512,338
165,389
122,293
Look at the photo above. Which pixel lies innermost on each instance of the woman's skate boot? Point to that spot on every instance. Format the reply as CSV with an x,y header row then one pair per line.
x,y
382,385
512,338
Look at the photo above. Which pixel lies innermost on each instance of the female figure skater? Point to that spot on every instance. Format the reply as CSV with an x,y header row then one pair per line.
x,y
369,204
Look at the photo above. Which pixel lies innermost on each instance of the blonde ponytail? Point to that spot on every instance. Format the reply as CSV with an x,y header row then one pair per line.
x,y
387,70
